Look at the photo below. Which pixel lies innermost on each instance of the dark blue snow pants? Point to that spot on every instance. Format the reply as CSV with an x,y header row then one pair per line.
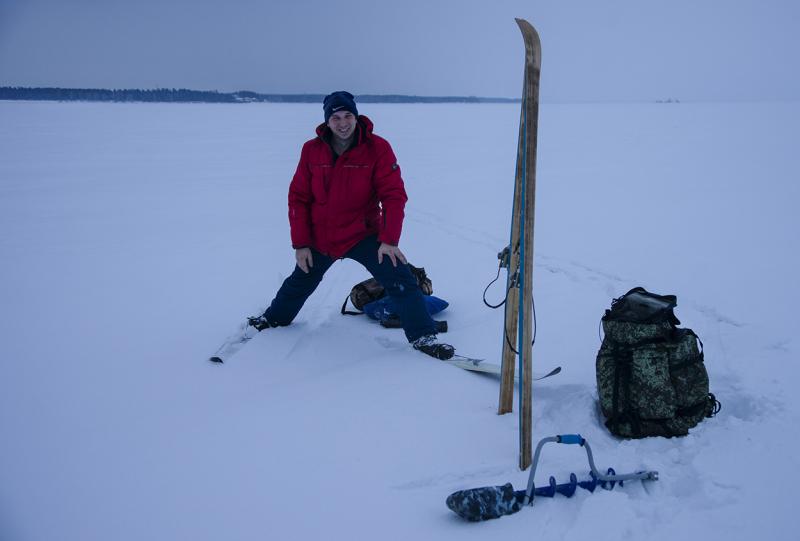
x,y
398,282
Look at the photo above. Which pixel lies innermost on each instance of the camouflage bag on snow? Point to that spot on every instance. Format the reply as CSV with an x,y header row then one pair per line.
x,y
371,290
651,378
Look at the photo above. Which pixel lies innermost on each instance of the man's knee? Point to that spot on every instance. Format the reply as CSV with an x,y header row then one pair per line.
x,y
399,282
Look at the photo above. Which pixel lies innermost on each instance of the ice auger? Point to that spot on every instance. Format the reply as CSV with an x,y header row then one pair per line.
x,y
493,502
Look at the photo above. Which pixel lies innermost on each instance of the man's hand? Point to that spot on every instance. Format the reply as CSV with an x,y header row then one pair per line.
x,y
304,259
393,252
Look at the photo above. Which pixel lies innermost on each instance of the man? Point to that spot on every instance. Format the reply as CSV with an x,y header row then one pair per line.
x,y
347,199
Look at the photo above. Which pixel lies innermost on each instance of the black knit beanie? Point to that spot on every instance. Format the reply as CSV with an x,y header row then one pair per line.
x,y
338,101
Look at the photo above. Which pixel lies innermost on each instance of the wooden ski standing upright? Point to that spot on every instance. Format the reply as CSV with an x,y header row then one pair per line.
x,y
519,304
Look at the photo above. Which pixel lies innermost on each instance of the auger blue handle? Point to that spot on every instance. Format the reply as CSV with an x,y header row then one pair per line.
x,y
570,439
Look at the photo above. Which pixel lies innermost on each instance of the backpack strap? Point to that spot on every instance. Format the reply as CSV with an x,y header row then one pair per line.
x,y
621,413
699,358
424,283
346,312
691,332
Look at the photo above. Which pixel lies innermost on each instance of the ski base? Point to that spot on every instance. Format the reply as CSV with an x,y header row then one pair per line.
x,y
234,343
481,365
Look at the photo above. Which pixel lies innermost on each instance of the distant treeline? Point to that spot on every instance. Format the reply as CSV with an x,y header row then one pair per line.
x,y
173,95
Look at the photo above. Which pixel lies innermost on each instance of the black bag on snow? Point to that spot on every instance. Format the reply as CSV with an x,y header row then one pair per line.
x,y
651,378
370,290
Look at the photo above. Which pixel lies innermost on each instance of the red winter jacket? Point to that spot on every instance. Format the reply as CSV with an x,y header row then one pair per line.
x,y
335,205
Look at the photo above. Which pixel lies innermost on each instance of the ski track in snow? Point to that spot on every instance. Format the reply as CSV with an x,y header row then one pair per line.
x,y
160,446
458,478
560,401
459,230
575,270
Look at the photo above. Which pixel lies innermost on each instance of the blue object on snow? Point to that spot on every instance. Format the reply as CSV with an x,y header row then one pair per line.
x,y
384,308
495,501
570,439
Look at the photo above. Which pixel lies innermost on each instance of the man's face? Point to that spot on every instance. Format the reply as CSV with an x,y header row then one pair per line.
x,y
342,124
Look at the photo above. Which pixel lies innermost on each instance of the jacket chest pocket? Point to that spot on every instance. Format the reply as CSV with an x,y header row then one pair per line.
x,y
320,181
358,179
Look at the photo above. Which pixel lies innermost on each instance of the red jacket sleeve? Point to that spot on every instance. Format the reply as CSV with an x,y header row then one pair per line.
x,y
300,197
392,195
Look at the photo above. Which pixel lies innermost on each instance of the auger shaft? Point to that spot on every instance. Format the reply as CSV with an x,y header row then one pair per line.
x,y
490,502
569,489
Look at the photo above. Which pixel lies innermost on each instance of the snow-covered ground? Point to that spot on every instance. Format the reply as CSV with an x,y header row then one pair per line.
x,y
134,238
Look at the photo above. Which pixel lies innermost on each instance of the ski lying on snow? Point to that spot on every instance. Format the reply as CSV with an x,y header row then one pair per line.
x,y
234,343
480,365
246,332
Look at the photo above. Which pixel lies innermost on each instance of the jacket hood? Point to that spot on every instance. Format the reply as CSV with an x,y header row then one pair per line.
x,y
364,129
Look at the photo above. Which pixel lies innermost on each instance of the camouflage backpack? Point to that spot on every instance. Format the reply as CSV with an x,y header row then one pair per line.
x,y
650,374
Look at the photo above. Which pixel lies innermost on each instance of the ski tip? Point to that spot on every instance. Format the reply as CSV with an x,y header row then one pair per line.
x,y
553,372
215,359
523,24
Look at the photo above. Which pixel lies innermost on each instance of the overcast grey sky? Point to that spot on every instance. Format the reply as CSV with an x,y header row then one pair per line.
x,y
592,49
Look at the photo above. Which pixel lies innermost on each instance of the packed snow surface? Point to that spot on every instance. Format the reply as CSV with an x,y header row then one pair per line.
x,y
135,237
